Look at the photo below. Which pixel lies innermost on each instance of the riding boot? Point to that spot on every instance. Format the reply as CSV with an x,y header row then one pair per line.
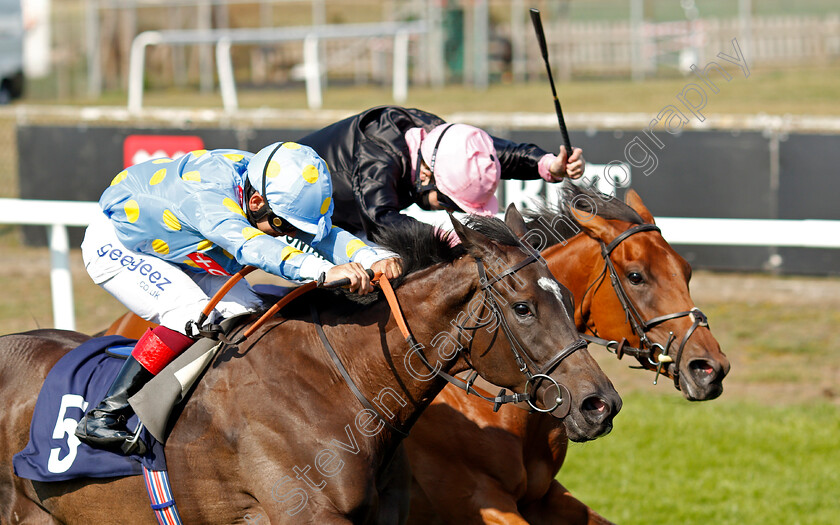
x,y
105,426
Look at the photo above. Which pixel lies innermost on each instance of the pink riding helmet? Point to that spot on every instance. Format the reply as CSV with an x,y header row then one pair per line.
x,y
465,166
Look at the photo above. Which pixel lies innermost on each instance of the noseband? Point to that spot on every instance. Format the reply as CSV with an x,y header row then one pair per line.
x,y
533,372
656,353
526,362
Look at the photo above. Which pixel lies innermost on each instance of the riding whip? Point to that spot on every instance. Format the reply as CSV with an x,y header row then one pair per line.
x,y
538,28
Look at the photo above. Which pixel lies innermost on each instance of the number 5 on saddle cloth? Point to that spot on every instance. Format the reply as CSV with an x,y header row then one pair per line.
x,y
80,380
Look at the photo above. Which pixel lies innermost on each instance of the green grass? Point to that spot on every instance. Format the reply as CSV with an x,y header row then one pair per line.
x,y
727,461
761,329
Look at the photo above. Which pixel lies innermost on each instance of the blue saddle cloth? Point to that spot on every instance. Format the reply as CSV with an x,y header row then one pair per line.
x,y
77,383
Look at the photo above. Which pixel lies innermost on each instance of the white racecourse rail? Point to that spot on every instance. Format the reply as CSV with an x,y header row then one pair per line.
x,y
57,215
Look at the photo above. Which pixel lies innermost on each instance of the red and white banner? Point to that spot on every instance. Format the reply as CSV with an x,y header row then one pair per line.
x,y
140,148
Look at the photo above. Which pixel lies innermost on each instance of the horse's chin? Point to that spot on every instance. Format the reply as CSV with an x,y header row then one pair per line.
x,y
575,432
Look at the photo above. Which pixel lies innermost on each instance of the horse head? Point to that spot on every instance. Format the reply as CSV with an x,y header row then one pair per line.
x,y
636,294
518,331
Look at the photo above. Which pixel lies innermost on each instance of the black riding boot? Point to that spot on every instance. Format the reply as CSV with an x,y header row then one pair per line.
x,y
105,426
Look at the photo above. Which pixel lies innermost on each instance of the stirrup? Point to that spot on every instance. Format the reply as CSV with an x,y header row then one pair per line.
x,y
134,445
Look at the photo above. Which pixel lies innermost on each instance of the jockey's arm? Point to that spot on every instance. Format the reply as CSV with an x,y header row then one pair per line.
x,y
347,250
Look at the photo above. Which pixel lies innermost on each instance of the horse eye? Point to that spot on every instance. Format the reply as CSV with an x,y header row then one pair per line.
x,y
635,278
522,310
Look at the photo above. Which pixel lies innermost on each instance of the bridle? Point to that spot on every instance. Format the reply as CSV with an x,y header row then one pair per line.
x,y
655,353
533,372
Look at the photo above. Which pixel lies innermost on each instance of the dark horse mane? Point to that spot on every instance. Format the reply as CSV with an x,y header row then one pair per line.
x,y
419,245
544,217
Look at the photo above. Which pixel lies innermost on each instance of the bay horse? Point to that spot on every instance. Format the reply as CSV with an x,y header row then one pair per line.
x,y
276,405
629,285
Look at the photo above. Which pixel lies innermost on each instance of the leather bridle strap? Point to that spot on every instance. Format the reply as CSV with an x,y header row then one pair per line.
x,y
486,283
518,348
607,249
286,299
619,348
640,326
541,373
698,318
467,386
346,375
633,316
566,352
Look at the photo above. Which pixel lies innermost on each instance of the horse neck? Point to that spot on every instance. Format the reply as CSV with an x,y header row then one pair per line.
x,y
576,264
388,370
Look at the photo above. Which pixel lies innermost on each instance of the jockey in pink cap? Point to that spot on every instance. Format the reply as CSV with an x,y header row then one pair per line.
x,y
385,159
463,168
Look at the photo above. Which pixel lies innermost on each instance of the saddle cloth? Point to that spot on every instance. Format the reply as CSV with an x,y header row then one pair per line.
x,y
76,383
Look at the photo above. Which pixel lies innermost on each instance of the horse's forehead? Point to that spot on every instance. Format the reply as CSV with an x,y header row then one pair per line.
x,y
648,247
551,286
656,255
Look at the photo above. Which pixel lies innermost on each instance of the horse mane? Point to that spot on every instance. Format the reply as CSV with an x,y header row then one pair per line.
x,y
493,228
418,244
544,217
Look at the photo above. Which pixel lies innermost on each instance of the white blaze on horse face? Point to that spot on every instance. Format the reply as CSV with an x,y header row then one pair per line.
x,y
550,285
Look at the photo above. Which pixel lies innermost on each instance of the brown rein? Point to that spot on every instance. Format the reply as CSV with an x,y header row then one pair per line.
x,y
396,310
215,332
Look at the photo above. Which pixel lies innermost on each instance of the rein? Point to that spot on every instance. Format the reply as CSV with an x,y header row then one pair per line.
x,y
563,398
534,373
637,321
217,333
467,385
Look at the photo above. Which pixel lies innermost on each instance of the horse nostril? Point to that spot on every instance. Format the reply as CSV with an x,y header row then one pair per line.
x,y
702,371
596,405
595,409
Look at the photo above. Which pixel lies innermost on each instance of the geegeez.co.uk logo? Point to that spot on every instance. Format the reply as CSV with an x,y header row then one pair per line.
x,y
140,148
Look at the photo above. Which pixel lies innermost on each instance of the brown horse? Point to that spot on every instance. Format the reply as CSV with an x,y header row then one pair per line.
x,y
501,467
276,408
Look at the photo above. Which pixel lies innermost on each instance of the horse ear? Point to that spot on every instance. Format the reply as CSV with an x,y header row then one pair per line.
x,y
471,240
594,225
514,221
634,201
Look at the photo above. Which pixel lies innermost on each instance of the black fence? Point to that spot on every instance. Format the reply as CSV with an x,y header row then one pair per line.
x,y
727,174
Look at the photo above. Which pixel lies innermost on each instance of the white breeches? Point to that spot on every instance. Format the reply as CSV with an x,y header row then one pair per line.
x,y
154,289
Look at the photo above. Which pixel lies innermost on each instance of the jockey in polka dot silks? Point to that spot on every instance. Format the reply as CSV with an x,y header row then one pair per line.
x,y
174,230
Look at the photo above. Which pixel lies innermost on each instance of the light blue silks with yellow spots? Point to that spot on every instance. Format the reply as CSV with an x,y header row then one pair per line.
x,y
188,211
297,186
